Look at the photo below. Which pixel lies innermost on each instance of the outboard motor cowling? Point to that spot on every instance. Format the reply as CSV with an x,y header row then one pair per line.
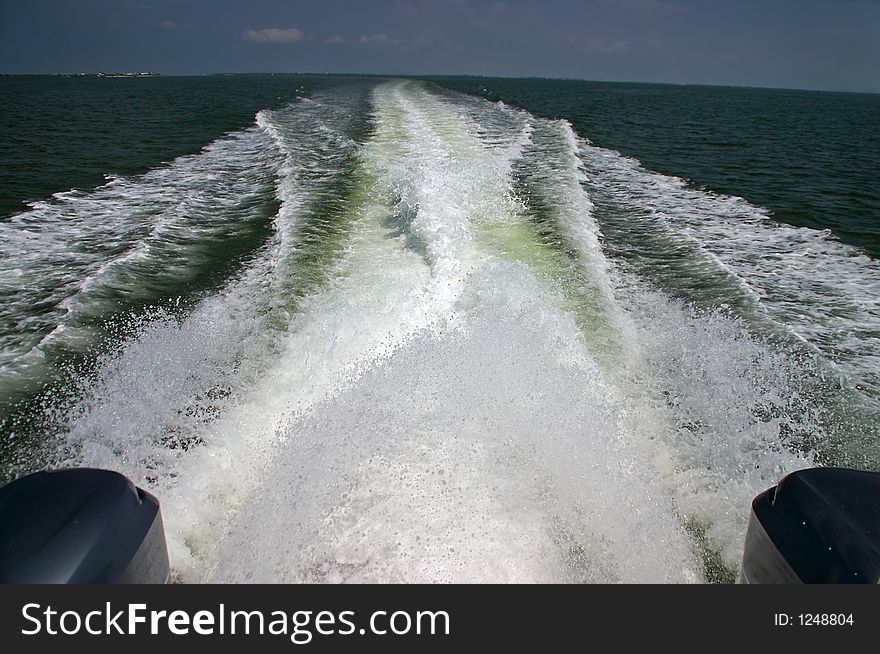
x,y
80,526
820,525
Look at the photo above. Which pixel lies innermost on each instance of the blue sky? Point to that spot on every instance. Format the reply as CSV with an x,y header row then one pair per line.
x,y
813,44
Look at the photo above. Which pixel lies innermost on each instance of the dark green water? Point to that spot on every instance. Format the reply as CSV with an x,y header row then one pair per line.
x,y
61,133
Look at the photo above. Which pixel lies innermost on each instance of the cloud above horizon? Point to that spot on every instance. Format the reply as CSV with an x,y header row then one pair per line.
x,y
407,43
274,35
821,44
171,25
375,39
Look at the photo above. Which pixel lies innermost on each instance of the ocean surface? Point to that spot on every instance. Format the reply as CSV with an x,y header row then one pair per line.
x,y
452,329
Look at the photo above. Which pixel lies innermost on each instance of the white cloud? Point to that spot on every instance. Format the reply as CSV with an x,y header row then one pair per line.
x,y
274,35
374,39
171,25
404,43
335,40
604,46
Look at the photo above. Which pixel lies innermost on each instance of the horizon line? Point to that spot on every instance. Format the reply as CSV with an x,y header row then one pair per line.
x,y
154,73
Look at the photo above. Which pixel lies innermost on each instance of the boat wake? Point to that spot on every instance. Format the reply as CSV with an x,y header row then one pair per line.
x,y
470,347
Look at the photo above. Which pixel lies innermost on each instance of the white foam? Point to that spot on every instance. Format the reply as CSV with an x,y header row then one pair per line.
x,y
430,412
823,291
720,439
727,410
69,260
492,451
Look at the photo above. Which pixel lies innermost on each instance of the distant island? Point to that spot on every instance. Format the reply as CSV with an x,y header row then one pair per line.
x,y
127,74
116,74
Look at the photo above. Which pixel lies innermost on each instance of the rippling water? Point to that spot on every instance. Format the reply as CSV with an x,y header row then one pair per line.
x,y
458,330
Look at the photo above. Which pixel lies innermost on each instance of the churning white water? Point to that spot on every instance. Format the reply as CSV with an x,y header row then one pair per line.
x,y
465,388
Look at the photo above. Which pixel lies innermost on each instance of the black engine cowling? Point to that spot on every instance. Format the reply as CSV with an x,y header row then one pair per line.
x,y
820,525
80,526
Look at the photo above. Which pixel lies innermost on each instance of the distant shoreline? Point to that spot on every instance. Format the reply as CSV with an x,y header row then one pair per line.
x,y
432,77
115,74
